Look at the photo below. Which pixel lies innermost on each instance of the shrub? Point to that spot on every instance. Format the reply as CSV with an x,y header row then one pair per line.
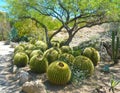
x,y
20,59
93,54
59,73
38,64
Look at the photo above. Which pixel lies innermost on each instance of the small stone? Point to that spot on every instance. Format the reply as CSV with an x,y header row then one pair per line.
x,y
34,87
15,69
23,76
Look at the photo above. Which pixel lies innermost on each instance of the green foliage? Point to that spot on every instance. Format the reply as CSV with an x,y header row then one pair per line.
x,y
93,54
20,59
77,77
84,64
59,73
71,15
76,51
38,64
52,54
113,83
13,35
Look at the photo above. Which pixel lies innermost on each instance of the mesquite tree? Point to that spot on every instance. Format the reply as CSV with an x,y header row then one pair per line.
x,y
72,14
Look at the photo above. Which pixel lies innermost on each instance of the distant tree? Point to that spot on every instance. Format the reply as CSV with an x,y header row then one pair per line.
x,y
4,25
72,14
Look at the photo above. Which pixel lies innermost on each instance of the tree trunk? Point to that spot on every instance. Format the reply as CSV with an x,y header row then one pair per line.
x,y
47,38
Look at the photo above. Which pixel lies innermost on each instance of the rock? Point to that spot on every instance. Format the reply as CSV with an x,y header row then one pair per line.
x,y
23,76
14,69
34,87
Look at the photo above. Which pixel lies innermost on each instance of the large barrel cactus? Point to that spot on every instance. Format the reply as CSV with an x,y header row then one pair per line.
x,y
20,59
52,54
38,64
41,45
58,73
84,64
68,58
66,49
93,54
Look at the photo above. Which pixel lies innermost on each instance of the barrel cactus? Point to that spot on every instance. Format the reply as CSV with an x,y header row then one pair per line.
x,y
93,54
20,59
38,64
41,45
36,52
84,64
59,73
55,43
52,54
68,58
28,52
66,49
30,47
18,49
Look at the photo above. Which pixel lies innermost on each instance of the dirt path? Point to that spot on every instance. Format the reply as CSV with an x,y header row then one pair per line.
x,y
7,84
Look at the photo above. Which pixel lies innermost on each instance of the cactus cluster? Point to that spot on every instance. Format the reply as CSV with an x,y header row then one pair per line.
x,y
58,73
93,54
58,62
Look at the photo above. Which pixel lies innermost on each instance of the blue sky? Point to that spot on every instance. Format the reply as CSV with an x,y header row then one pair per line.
x,y
2,3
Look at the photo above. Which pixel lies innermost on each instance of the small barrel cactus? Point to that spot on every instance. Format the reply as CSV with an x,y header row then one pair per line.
x,y
52,54
84,64
28,52
18,49
30,47
20,59
66,49
58,73
36,52
68,58
41,45
38,64
55,43
93,54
